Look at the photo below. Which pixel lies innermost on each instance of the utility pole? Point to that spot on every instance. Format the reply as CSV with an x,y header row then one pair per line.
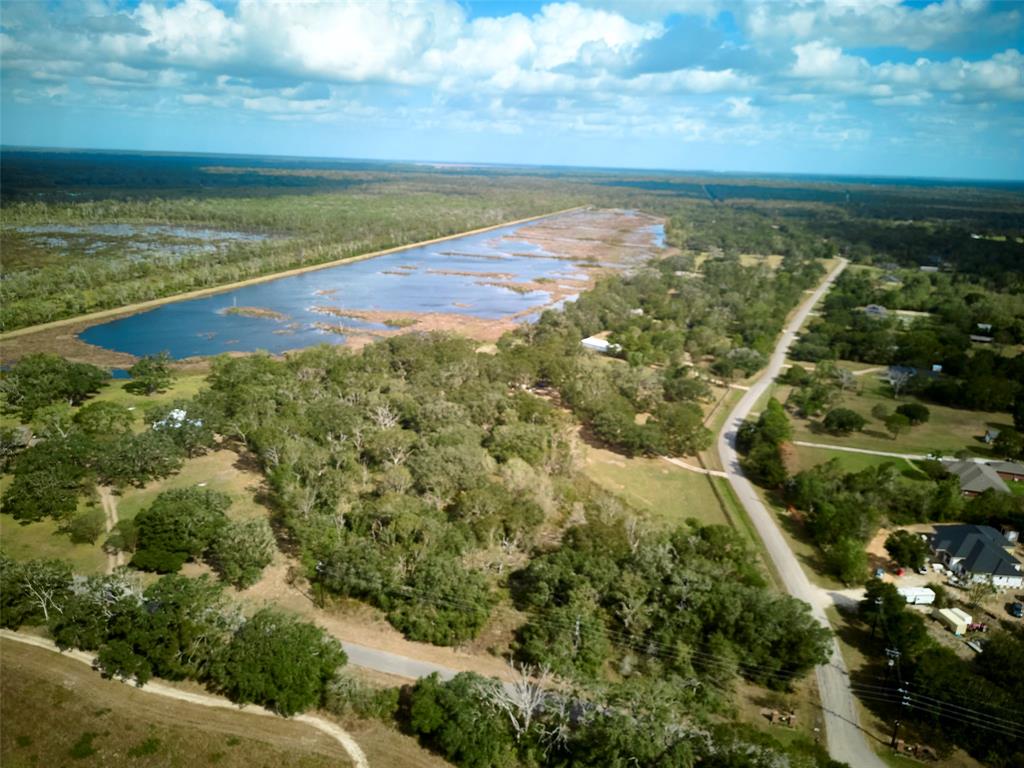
x,y
904,692
878,612
893,656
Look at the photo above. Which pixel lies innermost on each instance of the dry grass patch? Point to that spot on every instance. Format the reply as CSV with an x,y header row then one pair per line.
x,y
108,723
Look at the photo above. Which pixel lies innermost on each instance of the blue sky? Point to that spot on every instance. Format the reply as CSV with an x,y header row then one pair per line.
x,y
848,86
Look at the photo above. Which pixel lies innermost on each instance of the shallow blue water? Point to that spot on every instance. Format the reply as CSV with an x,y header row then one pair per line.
x,y
201,327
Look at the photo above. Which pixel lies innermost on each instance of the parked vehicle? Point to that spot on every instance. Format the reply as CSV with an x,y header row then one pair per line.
x,y
1017,609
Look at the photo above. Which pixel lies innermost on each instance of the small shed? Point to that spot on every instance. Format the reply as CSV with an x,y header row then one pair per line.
x,y
917,595
958,621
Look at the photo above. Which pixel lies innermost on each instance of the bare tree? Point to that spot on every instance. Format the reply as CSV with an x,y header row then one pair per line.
x,y
898,380
384,417
47,582
846,379
522,699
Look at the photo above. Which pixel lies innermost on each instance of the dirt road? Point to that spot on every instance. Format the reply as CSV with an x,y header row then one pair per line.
x,y
109,503
337,733
846,740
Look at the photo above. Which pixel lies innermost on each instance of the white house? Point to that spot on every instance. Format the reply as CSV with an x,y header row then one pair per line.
x,y
603,346
976,553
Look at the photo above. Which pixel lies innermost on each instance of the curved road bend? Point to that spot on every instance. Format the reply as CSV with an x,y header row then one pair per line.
x,y
846,741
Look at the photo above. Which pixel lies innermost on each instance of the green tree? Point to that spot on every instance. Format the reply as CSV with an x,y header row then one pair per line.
x,y
843,421
180,524
102,418
150,374
453,719
907,549
279,662
448,604
896,424
847,560
683,427
138,459
32,591
1009,444
764,465
915,412
86,527
773,424
38,380
241,550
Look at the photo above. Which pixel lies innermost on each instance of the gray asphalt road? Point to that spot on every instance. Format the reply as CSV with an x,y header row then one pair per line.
x,y
846,741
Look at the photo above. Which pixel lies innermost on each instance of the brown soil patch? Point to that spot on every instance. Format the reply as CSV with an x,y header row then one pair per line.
x,y
263,312
471,273
479,328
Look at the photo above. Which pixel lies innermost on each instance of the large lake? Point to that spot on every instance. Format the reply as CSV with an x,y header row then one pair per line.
x,y
410,280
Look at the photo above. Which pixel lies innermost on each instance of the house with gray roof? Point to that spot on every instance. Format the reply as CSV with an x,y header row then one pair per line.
x,y
1008,470
977,553
976,478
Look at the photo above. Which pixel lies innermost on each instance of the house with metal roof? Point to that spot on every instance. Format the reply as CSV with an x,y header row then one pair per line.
x,y
976,478
977,553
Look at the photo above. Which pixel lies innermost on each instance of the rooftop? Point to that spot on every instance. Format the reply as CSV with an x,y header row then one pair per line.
x,y
977,478
980,546
1007,467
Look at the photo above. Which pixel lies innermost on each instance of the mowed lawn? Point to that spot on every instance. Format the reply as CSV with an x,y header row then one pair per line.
x,y
182,387
220,470
949,429
801,457
668,494
43,540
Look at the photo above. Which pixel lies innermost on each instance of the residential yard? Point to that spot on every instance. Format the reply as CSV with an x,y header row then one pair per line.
x,y
801,457
949,429
667,493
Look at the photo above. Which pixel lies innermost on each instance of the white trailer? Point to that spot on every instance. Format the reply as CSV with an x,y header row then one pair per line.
x,y
917,595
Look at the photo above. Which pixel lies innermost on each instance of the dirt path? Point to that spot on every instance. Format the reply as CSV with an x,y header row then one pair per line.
x,y
337,733
700,470
114,559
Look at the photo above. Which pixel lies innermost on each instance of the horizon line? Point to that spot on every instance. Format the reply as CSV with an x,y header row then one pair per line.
x,y
691,172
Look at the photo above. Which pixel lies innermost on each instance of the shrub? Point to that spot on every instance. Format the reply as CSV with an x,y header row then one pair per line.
x,y
87,527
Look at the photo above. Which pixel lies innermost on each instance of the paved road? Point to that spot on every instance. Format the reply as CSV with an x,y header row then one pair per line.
x,y
846,741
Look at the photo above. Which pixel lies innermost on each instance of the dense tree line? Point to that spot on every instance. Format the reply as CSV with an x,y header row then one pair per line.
x,y
473,723
952,700
663,601
177,628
